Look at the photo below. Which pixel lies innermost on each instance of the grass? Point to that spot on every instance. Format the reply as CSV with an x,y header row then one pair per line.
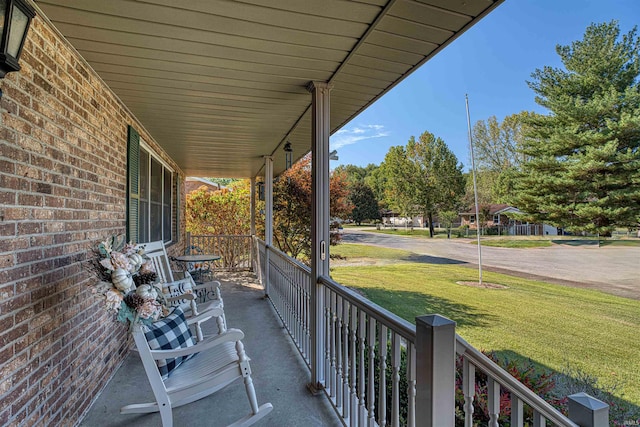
x,y
634,243
508,243
416,232
553,325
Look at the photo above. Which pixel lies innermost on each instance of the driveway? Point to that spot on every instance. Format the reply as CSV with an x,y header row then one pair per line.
x,y
612,269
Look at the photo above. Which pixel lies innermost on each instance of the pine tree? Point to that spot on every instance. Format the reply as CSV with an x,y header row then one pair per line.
x,y
583,168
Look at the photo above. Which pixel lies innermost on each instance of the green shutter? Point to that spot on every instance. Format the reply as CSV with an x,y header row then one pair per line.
x,y
176,235
133,185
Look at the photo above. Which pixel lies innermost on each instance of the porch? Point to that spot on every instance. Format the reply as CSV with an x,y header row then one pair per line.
x,y
376,369
279,374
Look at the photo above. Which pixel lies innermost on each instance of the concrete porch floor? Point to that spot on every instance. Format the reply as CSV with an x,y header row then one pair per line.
x,y
279,375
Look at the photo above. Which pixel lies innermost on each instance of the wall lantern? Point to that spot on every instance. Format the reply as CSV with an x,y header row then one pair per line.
x,y
261,191
288,155
15,18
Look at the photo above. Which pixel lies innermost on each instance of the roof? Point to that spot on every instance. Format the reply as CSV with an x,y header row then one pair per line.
x,y
494,209
220,84
193,183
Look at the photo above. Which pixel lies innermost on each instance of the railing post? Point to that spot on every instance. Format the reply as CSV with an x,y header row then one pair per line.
x,y
435,365
587,411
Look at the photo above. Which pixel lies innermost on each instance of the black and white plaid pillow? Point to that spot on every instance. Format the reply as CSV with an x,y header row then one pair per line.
x,y
170,333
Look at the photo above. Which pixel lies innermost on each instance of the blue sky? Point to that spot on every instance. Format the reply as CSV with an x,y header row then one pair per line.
x,y
491,63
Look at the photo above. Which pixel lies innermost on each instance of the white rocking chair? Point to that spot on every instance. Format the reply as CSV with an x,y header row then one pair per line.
x,y
208,293
220,360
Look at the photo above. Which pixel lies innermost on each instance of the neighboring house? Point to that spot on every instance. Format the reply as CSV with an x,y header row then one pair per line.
x,y
395,219
193,183
500,220
497,215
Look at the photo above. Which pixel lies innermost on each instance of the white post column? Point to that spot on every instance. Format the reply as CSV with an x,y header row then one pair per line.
x,y
253,206
320,128
252,230
268,217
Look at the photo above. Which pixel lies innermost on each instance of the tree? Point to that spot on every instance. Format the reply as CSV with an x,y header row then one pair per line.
x,y
447,218
498,154
398,175
424,177
355,173
439,179
219,212
365,205
222,212
584,156
292,208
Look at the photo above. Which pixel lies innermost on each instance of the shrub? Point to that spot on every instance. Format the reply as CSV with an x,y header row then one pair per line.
x,y
540,382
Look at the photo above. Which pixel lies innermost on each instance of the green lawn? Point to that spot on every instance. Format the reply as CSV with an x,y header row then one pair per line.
x,y
550,324
416,232
509,243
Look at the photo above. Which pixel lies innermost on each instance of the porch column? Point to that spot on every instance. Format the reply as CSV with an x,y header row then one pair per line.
x,y
252,231
253,206
268,216
320,129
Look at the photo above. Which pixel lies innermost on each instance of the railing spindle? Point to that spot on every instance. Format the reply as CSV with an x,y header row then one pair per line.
x,y
340,374
411,384
328,342
382,400
362,334
517,411
493,401
371,392
353,404
538,419
345,359
334,370
468,390
395,380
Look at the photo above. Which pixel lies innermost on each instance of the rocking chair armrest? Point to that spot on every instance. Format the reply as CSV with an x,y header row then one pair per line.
x,y
206,314
209,288
181,297
208,285
230,335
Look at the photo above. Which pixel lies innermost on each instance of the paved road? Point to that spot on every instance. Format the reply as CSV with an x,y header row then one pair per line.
x,y
615,270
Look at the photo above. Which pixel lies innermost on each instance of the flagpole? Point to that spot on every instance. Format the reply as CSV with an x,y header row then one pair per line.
x,y
475,190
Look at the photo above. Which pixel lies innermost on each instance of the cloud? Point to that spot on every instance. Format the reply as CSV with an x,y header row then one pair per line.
x,y
355,134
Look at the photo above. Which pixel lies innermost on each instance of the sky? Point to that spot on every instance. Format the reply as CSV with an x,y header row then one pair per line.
x,y
491,63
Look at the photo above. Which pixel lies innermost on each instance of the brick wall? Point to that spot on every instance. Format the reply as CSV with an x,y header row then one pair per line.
x,y
63,138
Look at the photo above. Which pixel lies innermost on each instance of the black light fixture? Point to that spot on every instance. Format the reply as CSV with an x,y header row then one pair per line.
x,y
288,154
15,18
261,191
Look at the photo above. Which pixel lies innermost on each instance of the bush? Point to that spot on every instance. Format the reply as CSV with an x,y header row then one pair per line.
x,y
553,387
540,382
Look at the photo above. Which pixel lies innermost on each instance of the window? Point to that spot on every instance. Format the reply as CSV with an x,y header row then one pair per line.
x,y
472,219
496,219
152,198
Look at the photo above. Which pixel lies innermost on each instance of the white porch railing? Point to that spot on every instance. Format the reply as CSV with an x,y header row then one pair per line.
x,y
374,361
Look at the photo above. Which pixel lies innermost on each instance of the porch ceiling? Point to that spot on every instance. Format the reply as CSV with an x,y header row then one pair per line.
x,y
219,84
